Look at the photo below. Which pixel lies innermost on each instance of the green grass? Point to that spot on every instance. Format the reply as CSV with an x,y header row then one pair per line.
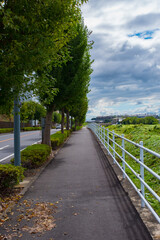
x,y
150,135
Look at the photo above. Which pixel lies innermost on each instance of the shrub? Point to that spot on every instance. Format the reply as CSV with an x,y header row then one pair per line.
x,y
34,156
6,130
77,128
58,138
30,128
10,176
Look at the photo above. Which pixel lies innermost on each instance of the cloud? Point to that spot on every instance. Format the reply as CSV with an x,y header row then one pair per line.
x,y
146,21
126,52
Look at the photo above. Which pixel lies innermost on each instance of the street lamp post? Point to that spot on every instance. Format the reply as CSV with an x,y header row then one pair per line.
x,y
17,155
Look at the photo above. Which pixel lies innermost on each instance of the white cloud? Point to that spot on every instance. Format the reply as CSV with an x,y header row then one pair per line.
x,y
126,69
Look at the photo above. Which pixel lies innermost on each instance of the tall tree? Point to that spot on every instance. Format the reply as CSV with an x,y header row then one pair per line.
x,y
32,33
60,80
72,78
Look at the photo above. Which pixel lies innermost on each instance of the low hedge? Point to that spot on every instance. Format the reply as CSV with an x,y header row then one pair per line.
x,y
30,128
34,156
77,128
6,130
58,138
10,176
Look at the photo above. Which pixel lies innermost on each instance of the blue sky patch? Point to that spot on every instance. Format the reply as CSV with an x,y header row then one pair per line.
x,y
145,35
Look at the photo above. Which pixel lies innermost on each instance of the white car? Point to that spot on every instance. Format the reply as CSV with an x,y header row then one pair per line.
x,y
58,126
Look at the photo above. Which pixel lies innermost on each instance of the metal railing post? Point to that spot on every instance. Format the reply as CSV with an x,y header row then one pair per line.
x,y
101,133
98,131
113,147
123,155
104,135
107,139
142,174
17,153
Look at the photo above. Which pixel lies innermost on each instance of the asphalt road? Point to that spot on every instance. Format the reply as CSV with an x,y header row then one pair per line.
x,y
77,197
7,143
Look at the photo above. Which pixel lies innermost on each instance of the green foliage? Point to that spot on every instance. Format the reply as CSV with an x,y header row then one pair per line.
x,y
77,128
30,128
6,130
7,109
40,111
10,176
58,138
32,110
27,111
136,120
34,156
67,84
56,117
150,135
33,34
72,78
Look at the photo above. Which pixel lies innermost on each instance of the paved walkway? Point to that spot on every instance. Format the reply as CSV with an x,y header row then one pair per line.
x,y
89,202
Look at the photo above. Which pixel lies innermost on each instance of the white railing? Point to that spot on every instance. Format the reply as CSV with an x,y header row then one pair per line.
x,y
107,138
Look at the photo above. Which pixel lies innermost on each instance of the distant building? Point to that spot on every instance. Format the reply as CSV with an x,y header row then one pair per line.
x,y
119,118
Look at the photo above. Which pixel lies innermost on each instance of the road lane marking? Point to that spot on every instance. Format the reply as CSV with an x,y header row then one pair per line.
x,y
20,136
4,147
28,134
36,142
1,160
6,157
6,140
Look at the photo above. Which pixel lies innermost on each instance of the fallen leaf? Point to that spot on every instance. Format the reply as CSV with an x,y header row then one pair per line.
x,y
75,214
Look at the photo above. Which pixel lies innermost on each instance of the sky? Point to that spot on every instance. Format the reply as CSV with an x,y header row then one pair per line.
x,y
126,53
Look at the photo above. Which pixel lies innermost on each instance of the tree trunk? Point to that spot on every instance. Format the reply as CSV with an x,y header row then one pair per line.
x,y
62,122
67,120
76,121
10,121
46,139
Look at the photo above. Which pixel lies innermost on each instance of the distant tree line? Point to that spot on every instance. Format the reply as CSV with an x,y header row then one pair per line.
x,y
136,120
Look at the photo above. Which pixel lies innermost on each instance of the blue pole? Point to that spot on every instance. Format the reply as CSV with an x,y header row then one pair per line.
x,y
17,155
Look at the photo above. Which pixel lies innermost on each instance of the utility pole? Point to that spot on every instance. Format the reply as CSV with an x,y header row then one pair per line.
x,y
17,154
43,121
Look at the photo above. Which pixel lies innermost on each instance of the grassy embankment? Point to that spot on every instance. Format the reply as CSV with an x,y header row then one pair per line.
x,y
150,135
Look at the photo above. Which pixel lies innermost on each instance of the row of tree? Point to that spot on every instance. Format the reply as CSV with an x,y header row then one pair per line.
x,y
31,110
136,120
45,51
